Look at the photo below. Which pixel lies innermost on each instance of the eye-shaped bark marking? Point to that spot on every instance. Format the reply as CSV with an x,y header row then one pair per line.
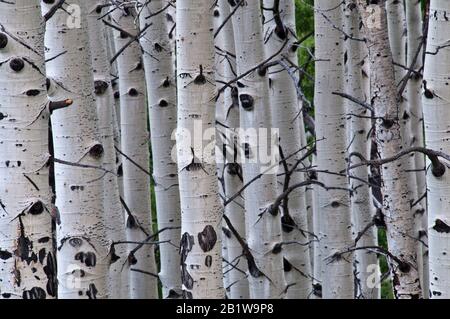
x,y
16,64
96,151
75,242
36,209
100,87
3,40
5,255
286,265
247,102
207,238
441,227
208,261
187,242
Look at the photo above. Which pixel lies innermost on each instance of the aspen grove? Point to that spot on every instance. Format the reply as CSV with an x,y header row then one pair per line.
x,y
212,149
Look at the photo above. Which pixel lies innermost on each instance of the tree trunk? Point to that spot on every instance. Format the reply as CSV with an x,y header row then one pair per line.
x,y
396,200
118,279
280,28
27,251
335,214
414,58
135,145
162,94
359,124
263,225
230,170
436,102
83,259
201,247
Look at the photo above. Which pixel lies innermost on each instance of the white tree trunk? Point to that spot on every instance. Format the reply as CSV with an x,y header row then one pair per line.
x,y
135,145
162,94
201,248
436,103
27,255
335,214
83,258
359,125
118,279
413,95
287,116
229,169
396,200
266,276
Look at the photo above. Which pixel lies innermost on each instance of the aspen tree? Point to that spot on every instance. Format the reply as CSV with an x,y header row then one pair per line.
x,y
27,251
162,96
396,199
201,248
330,114
118,279
436,101
230,170
263,224
280,30
135,146
359,124
83,247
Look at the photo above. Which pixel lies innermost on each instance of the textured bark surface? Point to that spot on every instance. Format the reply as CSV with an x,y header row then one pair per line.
x,y
162,95
83,259
266,275
280,27
358,128
335,216
396,200
135,145
104,98
27,252
201,248
436,102
229,168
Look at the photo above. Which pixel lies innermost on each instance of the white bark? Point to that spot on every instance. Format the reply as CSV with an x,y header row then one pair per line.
x,y
83,258
280,27
396,197
266,277
335,215
162,94
415,51
135,145
230,170
118,279
436,102
201,248
27,256
359,125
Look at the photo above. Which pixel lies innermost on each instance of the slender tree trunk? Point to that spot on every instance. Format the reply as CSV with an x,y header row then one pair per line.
x,y
335,215
27,252
396,200
135,145
118,279
162,94
263,226
280,29
201,247
83,247
359,124
230,170
436,102
414,58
